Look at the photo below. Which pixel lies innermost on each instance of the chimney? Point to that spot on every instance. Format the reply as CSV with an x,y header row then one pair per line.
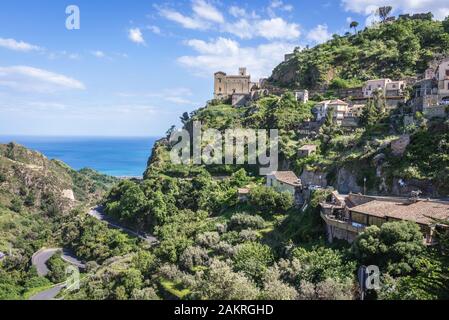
x,y
242,71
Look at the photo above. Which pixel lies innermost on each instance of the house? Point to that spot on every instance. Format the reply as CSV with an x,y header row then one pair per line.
x,y
338,107
355,110
347,216
372,86
442,75
307,150
284,181
431,94
395,89
302,96
243,194
2,255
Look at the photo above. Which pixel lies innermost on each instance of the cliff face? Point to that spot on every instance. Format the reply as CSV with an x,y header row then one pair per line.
x,y
30,179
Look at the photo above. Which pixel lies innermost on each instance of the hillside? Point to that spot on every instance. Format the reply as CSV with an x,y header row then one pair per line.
x,y
38,197
28,178
392,50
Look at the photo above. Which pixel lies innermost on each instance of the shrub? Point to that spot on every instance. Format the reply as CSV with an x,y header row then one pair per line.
x,y
208,239
248,235
269,201
219,282
16,205
192,257
241,221
57,268
253,259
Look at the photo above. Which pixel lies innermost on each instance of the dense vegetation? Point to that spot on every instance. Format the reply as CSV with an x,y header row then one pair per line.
x,y
388,50
33,210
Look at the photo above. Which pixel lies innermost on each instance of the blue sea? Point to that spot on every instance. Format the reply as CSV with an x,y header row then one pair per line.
x,y
119,157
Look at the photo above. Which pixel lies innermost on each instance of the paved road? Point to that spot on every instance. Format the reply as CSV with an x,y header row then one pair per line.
x,y
98,213
49,294
40,258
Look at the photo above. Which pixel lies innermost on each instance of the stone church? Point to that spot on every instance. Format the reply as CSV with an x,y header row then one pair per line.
x,y
226,86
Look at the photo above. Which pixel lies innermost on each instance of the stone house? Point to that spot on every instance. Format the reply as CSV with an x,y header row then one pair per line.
x,y
395,89
348,216
302,96
338,107
243,194
387,86
284,181
431,94
355,110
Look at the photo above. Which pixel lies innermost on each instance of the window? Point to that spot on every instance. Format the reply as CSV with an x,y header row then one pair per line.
x,y
359,218
447,73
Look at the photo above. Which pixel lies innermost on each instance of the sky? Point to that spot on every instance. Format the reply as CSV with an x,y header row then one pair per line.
x,y
134,66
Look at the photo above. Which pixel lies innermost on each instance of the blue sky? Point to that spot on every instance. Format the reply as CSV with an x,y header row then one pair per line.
x,y
135,65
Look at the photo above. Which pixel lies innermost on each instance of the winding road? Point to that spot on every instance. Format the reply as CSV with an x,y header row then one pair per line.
x,y
39,260
99,214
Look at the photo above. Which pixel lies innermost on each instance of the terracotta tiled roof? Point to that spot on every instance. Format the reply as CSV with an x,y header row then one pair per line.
x,y
287,177
423,212
338,101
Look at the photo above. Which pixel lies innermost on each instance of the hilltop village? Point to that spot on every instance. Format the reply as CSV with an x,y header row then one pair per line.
x,y
425,95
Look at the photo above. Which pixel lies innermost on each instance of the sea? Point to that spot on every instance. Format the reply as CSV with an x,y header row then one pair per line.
x,y
119,157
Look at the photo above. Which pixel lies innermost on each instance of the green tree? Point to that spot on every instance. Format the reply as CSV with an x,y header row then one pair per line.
x,y
253,259
446,24
219,282
395,247
354,25
269,201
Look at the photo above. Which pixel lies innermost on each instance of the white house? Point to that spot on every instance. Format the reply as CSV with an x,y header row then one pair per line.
x,y
339,108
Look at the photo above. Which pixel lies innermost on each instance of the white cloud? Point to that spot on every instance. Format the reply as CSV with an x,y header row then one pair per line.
x,y
277,28
279,4
227,55
185,21
135,35
237,12
205,10
247,25
98,54
154,29
440,8
319,34
15,45
29,79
